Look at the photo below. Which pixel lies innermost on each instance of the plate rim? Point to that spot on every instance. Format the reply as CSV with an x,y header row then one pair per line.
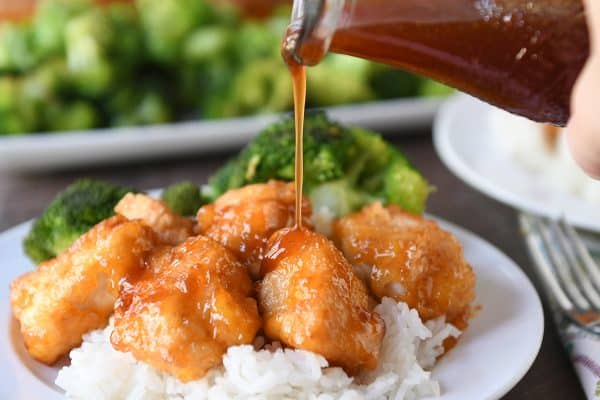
x,y
103,146
516,269
510,266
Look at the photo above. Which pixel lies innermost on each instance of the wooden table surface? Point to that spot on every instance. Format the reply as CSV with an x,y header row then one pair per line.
x,y
551,376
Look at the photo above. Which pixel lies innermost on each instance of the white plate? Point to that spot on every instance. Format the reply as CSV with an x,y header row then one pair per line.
x,y
464,141
492,356
41,152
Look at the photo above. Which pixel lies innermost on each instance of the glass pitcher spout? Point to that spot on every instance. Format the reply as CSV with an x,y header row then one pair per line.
x,y
312,27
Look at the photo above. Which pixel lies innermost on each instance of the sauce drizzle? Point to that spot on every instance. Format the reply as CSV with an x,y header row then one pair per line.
x,y
298,73
299,84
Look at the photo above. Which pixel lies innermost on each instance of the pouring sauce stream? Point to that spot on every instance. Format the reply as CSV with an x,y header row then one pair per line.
x,y
298,73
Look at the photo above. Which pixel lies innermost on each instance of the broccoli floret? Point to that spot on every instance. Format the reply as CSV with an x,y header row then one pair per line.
x,y
207,43
261,86
88,38
17,114
232,175
44,83
431,88
13,124
379,173
391,83
183,198
344,168
40,98
259,40
405,187
49,21
136,105
127,45
166,24
271,155
72,213
339,197
339,79
10,89
16,47
94,40
70,116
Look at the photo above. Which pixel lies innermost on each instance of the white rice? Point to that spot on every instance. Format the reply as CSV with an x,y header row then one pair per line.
x,y
524,141
409,349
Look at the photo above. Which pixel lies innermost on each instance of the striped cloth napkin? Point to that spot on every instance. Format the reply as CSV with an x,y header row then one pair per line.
x,y
583,348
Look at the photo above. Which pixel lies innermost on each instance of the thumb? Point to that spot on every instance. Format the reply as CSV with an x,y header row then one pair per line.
x,y
583,131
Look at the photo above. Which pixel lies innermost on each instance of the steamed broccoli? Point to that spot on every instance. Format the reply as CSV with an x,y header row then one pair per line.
x,y
88,38
344,168
183,198
9,92
72,213
259,40
49,21
69,116
167,23
431,88
96,38
339,79
17,114
16,47
390,83
43,84
138,105
207,43
13,124
262,86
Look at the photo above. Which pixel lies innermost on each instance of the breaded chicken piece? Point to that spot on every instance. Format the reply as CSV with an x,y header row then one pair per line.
x,y
76,292
171,227
410,259
243,219
193,302
310,299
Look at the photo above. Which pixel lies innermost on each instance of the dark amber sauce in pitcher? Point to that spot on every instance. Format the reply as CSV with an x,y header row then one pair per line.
x,y
521,55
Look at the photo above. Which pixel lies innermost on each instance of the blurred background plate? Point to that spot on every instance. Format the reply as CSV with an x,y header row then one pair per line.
x,y
509,159
39,152
79,79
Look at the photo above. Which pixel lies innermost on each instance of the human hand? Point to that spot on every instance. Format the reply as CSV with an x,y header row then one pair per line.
x,y
583,130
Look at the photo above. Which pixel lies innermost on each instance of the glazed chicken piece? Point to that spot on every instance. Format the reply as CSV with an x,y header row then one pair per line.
x,y
193,302
409,259
171,227
243,219
311,300
76,292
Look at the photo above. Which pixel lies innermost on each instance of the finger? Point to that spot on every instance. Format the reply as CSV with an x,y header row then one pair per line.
x,y
592,9
583,131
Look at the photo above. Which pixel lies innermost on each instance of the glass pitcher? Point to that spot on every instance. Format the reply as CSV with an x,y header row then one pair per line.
x,y
521,55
